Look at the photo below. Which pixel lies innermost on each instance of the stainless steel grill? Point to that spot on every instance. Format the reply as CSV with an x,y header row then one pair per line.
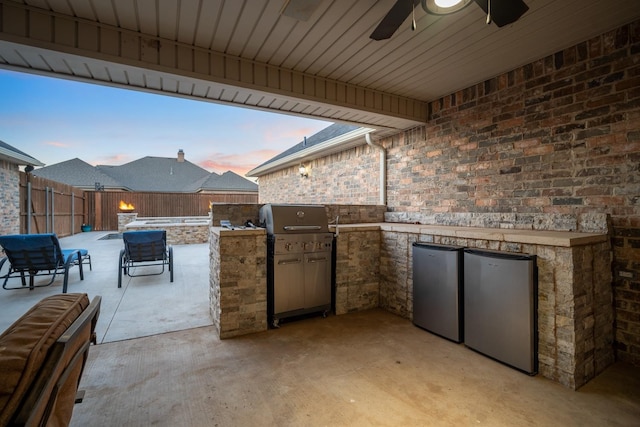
x,y
299,261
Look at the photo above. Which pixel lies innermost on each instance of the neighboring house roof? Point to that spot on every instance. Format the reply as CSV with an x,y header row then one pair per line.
x,y
16,156
228,181
157,174
336,137
78,173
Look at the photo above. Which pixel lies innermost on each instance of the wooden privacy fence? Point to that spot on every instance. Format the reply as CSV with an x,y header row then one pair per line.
x,y
50,207
103,206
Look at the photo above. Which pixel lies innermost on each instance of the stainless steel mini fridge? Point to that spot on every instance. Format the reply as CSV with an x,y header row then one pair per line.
x,y
500,307
437,289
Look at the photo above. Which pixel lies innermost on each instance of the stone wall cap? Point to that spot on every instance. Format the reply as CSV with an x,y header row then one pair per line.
x,y
534,237
238,231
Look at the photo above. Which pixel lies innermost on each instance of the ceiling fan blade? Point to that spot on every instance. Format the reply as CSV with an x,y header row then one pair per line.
x,y
504,12
393,19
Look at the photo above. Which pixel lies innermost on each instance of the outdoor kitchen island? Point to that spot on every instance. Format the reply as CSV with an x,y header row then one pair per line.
x,y
373,269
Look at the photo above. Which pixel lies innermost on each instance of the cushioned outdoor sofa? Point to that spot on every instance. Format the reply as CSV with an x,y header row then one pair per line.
x,y
42,357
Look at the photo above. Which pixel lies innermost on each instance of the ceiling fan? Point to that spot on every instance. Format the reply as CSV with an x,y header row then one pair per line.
x,y
500,12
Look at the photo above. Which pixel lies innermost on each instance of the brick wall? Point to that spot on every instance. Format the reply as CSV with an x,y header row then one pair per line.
x,y
348,177
558,136
10,197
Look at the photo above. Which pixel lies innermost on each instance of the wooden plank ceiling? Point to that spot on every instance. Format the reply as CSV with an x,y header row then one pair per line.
x,y
248,53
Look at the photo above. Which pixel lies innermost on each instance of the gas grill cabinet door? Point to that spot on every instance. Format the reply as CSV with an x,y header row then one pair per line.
x,y
288,283
317,271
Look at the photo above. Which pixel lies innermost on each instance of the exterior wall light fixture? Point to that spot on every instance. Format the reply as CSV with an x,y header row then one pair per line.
x,y
304,171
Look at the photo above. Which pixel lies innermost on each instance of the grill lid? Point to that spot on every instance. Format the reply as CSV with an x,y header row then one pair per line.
x,y
290,219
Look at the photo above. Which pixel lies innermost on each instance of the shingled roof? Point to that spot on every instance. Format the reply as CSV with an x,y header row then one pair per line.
x,y
155,174
336,137
78,173
160,174
228,181
325,134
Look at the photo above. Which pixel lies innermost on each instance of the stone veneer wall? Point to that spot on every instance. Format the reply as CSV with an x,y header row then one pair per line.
x,y
575,314
560,135
355,214
349,214
124,219
236,213
181,234
177,234
10,198
357,271
241,307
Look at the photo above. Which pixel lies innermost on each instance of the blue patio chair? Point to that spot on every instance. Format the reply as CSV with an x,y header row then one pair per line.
x,y
142,249
39,255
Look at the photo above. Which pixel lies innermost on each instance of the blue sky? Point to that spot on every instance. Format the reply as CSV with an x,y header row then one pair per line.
x,y
55,120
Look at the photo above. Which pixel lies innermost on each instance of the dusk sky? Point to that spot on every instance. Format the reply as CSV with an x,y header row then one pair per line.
x,y
55,120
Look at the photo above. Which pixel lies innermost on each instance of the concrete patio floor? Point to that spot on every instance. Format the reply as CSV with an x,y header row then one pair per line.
x,y
368,368
144,306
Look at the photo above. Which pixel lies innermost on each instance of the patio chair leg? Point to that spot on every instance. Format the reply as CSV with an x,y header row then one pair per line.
x,y
66,280
80,266
171,264
120,270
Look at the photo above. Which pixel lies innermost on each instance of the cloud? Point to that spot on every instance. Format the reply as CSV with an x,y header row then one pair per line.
x,y
57,144
111,160
287,135
238,163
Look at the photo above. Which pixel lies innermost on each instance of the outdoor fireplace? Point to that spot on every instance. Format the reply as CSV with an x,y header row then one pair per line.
x,y
125,207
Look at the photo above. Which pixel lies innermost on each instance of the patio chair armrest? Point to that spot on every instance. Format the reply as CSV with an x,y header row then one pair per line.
x,y
70,255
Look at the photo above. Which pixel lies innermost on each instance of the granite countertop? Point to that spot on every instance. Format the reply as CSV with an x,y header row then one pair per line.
x,y
533,237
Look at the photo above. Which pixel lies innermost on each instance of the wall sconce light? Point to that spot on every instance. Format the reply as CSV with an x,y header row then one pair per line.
x,y
304,172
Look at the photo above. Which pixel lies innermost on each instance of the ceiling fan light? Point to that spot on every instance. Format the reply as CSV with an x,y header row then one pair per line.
x,y
444,7
446,3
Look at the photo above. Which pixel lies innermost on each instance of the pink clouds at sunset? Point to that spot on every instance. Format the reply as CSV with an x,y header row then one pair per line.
x,y
57,144
297,134
238,163
113,159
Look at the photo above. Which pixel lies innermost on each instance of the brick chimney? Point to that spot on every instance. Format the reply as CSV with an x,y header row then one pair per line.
x,y
180,156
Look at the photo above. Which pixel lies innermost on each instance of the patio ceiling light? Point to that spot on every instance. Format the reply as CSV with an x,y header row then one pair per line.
x,y
444,7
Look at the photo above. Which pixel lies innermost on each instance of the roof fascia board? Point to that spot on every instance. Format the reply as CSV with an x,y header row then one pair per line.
x,y
318,150
18,158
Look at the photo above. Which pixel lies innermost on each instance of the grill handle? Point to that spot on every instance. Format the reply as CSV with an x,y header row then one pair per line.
x,y
290,261
301,227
